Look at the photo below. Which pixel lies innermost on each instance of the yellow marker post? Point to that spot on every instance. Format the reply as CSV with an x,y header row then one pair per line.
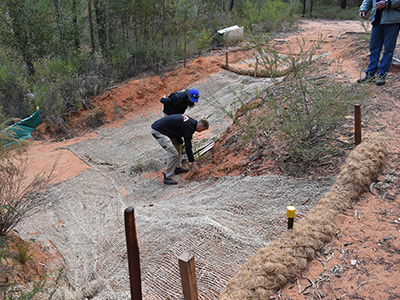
x,y
290,213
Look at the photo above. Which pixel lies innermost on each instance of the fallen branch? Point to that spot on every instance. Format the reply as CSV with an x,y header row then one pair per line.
x,y
364,282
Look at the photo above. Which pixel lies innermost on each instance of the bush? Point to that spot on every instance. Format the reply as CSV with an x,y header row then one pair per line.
x,y
14,97
334,12
307,112
19,195
270,16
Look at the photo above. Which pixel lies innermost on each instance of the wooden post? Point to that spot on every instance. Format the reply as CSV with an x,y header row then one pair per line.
x,y
290,213
357,124
133,254
188,276
226,61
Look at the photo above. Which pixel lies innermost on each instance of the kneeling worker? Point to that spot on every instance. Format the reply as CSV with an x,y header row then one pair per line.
x,y
177,127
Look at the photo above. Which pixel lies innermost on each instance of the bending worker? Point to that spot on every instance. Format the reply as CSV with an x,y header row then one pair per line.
x,y
177,127
178,102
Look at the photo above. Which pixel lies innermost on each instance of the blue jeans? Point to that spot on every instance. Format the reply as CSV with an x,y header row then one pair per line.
x,y
382,34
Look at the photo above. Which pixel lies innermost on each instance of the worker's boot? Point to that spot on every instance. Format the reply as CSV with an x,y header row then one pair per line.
x,y
181,170
169,181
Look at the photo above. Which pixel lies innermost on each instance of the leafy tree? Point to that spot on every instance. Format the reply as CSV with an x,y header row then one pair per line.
x,y
26,28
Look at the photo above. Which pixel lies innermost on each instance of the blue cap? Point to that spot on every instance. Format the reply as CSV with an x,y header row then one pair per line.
x,y
194,95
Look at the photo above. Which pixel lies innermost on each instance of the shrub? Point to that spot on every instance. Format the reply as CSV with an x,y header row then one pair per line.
x,y
19,195
269,16
334,12
306,115
23,249
307,112
14,97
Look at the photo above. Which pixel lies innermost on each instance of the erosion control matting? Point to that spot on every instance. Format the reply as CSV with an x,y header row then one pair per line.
x,y
221,222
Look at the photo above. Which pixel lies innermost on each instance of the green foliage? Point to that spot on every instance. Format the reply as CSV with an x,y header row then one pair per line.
x,y
367,36
19,194
269,16
307,114
203,40
46,57
14,97
23,249
276,65
18,197
334,12
27,29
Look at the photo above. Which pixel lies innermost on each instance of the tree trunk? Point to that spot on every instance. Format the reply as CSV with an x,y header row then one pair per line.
x,y
101,20
231,5
304,7
91,26
30,66
75,25
163,26
58,13
311,6
343,4
21,36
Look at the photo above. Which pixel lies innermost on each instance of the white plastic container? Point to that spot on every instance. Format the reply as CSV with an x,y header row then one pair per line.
x,y
232,34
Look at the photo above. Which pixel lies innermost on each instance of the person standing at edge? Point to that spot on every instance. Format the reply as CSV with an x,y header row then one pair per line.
x,y
385,20
178,102
176,127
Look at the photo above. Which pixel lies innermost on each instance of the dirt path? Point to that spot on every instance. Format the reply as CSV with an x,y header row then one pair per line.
x,y
221,221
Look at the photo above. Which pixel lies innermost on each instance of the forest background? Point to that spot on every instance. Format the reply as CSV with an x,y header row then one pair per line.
x,y
56,54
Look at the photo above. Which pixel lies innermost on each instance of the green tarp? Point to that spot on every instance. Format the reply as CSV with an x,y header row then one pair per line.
x,y
22,130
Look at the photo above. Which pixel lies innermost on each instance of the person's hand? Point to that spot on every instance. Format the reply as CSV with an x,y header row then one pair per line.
x,y
380,5
362,14
194,167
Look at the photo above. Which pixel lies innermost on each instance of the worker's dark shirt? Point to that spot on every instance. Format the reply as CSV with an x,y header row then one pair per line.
x,y
176,103
178,127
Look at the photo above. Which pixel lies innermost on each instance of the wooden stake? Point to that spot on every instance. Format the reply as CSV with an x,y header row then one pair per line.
x,y
133,254
188,276
226,60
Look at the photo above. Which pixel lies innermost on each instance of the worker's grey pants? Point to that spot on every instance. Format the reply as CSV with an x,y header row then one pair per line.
x,y
174,155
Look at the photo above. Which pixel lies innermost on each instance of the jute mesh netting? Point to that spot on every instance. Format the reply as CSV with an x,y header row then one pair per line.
x,y
271,267
222,222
